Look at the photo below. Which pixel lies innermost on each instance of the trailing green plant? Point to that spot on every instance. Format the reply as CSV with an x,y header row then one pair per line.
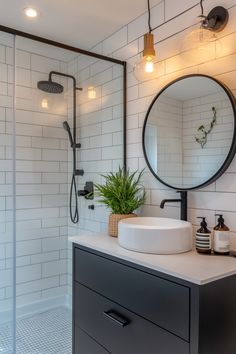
x,y
122,191
204,131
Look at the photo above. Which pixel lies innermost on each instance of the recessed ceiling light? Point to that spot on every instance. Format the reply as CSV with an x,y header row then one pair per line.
x,y
30,12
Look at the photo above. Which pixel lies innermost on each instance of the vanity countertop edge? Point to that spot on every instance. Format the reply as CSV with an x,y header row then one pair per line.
x,y
189,266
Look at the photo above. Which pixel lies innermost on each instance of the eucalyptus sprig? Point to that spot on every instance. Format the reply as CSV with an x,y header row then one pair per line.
x,y
122,191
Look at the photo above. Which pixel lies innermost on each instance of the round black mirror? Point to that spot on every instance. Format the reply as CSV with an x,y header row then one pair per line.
x,y
189,132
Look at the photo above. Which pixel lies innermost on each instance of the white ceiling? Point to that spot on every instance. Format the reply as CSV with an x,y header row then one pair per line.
x,y
81,23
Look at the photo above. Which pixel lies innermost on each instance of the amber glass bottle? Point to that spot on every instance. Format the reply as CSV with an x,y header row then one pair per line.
x,y
221,237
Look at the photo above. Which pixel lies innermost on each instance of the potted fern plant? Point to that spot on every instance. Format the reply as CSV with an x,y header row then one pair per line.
x,y
122,193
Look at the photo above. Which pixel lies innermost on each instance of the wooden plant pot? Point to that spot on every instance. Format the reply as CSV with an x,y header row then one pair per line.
x,y
113,222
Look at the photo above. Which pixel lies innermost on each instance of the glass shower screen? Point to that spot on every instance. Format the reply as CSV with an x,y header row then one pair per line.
x,y
7,195
55,91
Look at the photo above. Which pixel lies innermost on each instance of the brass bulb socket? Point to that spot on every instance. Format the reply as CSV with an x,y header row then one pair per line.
x,y
149,50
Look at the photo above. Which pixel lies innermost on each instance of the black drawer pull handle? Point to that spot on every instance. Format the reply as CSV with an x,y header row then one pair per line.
x,y
116,318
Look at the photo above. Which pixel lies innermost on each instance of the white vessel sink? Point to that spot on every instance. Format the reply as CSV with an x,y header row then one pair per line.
x,y
155,235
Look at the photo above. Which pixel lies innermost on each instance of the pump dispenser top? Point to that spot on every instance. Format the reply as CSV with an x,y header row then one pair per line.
x,y
203,223
220,220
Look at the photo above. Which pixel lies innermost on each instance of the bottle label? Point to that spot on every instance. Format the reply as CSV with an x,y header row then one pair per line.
x,y
203,241
221,241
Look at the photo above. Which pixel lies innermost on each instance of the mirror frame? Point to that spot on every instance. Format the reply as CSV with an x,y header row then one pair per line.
x,y
232,150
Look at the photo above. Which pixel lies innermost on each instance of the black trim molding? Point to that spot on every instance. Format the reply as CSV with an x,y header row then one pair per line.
x,y
16,32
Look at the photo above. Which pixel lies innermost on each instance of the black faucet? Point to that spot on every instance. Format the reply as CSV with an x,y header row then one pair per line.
x,y
183,204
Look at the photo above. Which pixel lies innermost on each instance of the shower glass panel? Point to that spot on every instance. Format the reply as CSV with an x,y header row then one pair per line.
x,y
7,200
41,202
100,129
47,157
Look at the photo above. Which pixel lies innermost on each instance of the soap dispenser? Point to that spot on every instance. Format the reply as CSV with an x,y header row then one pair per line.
x,y
221,237
203,237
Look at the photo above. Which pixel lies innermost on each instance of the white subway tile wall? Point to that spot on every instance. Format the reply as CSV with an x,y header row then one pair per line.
x,y
126,44
6,186
202,163
43,167
41,174
163,139
100,132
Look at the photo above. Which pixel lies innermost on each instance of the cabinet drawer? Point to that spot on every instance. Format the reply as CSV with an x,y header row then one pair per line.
x,y
161,301
119,330
86,345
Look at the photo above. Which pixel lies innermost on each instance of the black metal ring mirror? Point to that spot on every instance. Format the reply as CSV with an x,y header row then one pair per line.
x,y
189,132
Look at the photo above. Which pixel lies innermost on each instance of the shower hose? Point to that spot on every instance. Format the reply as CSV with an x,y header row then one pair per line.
x,y
73,188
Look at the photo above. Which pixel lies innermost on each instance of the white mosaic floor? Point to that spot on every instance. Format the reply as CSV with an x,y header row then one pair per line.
x,y
45,333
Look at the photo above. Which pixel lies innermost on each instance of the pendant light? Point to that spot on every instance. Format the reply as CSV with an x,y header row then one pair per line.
x,y
214,22
146,68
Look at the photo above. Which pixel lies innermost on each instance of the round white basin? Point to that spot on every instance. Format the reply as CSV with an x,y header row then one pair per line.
x,y
155,235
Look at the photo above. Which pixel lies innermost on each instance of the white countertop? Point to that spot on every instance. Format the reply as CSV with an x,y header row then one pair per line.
x,y
190,266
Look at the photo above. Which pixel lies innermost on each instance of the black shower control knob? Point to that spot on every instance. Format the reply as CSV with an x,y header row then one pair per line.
x,y
82,193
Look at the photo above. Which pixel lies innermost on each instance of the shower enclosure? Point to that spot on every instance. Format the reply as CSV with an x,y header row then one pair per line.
x,y
38,159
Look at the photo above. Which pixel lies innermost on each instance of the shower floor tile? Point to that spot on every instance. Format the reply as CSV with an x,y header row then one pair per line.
x,y
49,332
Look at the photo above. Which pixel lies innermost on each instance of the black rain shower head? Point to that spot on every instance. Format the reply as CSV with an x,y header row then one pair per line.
x,y
50,86
67,128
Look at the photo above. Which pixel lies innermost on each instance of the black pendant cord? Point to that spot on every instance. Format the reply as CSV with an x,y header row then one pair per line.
x,y
201,7
149,17
73,188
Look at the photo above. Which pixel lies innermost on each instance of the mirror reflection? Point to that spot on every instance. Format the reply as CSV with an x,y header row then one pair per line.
x,y
188,132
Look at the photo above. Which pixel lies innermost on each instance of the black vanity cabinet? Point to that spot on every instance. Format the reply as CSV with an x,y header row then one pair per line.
x,y
120,307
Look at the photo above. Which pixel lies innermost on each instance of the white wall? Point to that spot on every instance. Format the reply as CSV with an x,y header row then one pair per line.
x,y
126,44
167,116
41,161
44,164
100,132
41,177
201,163
6,186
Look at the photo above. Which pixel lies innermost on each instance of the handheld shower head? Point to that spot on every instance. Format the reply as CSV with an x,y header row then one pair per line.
x,y
67,128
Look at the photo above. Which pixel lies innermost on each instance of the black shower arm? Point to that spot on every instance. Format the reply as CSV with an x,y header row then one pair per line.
x,y
62,74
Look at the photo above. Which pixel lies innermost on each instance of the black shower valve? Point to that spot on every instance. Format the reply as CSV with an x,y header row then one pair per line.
x,y
79,172
76,146
87,192
82,193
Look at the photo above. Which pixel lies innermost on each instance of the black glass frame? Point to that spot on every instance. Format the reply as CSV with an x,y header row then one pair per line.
x,y
123,63
232,149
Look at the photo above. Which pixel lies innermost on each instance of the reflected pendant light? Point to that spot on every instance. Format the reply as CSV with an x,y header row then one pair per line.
x,y
92,94
146,68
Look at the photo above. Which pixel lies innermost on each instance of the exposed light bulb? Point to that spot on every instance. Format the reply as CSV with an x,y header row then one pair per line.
x,y
198,46
198,37
30,12
92,92
147,67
